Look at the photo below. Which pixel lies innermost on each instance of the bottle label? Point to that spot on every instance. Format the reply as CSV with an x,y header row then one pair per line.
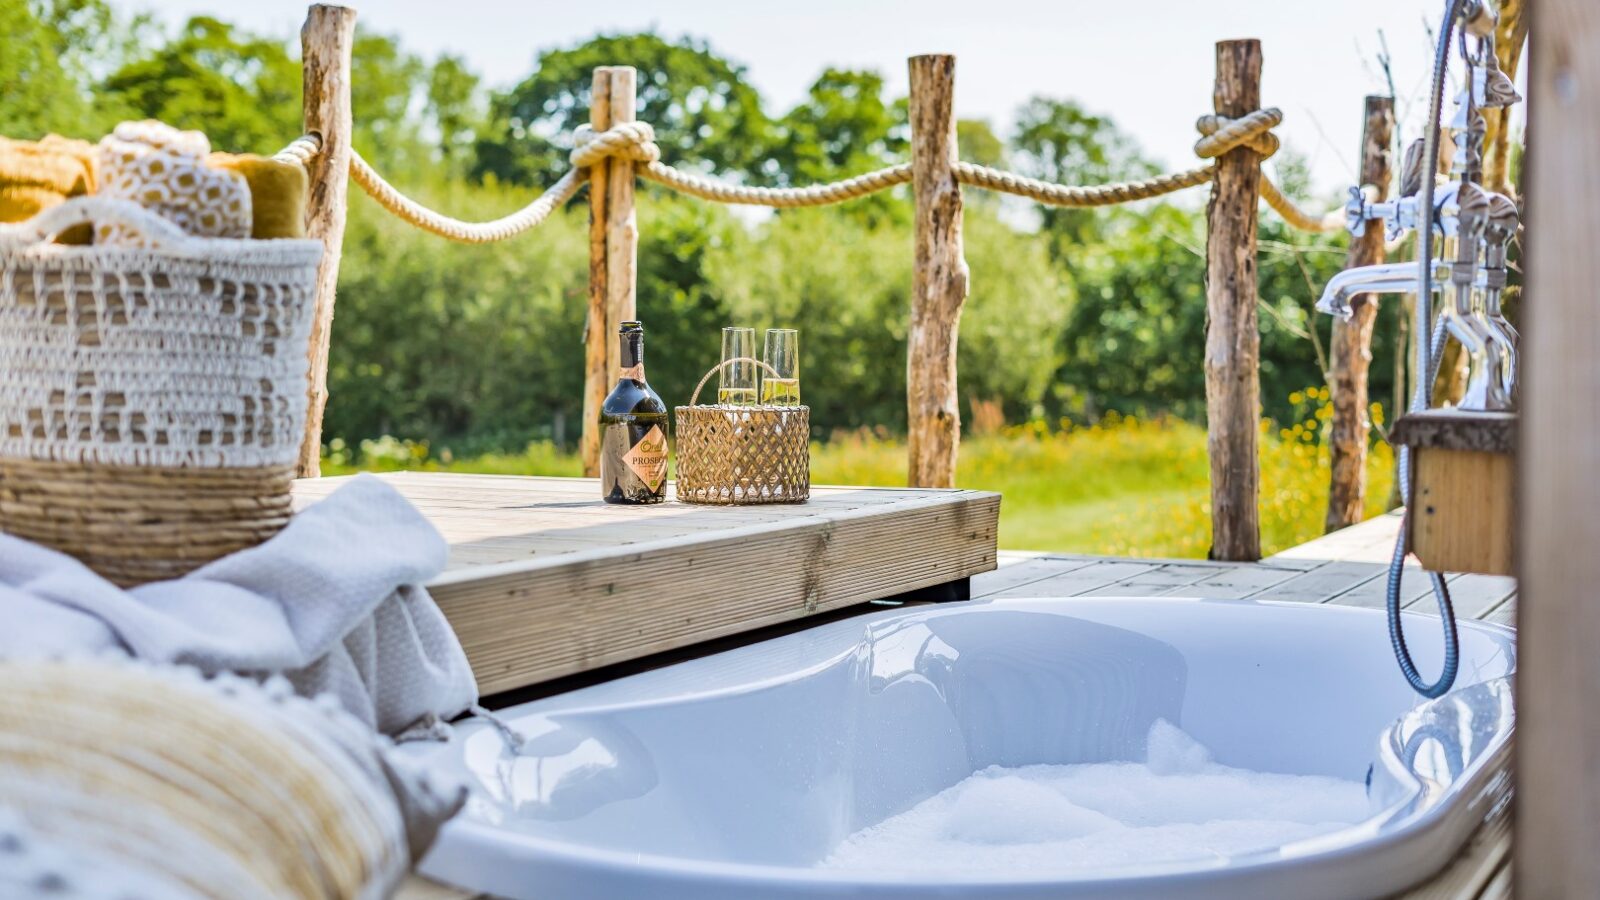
x,y
648,458
636,372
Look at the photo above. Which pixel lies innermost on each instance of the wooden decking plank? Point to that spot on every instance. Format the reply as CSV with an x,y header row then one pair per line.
x,y
1167,579
1369,541
1022,572
1238,581
1374,592
1503,614
1079,580
1317,585
1473,596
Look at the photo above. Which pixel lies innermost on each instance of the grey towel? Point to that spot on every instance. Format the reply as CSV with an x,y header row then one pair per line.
x,y
334,602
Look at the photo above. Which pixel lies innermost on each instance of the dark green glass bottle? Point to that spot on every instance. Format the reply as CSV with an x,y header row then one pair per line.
x,y
633,430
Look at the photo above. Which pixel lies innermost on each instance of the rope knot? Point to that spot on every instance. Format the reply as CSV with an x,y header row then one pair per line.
x,y
630,140
1219,134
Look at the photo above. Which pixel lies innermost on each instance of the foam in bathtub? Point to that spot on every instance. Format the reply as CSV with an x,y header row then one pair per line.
x,y
1177,805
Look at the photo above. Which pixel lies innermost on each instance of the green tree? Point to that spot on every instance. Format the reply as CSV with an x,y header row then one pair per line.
x,y
979,144
843,127
242,90
386,83
703,109
1059,141
38,92
1136,339
454,108
480,347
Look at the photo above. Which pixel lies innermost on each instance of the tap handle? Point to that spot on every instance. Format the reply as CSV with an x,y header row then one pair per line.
x,y
1411,169
1503,218
1498,231
1356,212
1499,91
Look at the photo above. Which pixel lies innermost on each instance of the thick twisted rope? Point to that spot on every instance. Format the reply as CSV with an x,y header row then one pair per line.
x,y
635,142
1219,134
302,149
1070,195
782,198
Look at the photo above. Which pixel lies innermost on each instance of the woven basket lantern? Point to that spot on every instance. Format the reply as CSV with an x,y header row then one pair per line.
x,y
154,396
743,455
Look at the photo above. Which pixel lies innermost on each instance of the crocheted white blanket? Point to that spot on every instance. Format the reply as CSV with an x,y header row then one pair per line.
x,y
334,601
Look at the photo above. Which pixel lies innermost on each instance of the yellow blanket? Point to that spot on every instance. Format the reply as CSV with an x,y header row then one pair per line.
x,y
277,193
36,175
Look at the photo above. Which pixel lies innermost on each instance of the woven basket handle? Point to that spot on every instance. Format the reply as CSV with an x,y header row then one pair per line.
x,y
694,400
44,227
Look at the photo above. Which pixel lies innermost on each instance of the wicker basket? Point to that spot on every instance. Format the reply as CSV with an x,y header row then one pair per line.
x,y
743,455
154,397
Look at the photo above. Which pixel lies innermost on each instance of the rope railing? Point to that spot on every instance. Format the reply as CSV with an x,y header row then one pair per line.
x,y
635,141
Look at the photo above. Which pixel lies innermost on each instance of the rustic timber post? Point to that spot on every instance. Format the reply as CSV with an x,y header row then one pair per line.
x,y
1233,343
596,337
1557,817
939,282
325,43
613,253
1351,347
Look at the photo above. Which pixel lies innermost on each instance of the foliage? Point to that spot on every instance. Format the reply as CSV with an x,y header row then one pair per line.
x,y
1057,140
852,303
702,107
39,91
844,127
482,341
243,91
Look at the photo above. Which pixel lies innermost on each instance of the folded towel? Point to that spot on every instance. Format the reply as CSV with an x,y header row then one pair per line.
x,y
36,175
334,601
277,193
126,780
160,135
164,170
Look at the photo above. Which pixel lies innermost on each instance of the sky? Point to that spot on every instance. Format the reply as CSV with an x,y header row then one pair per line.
x,y
1148,64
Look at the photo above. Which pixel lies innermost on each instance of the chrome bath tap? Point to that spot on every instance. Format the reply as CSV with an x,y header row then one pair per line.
x,y
1475,228
1484,349
1383,278
1498,234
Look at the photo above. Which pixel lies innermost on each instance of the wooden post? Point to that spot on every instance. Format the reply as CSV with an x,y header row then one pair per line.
x,y
1233,343
939,283
613,253
1557,818
622,227
325,43
1351,347
596,338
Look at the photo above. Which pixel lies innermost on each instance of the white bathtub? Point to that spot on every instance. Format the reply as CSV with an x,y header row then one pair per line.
x,y
732,775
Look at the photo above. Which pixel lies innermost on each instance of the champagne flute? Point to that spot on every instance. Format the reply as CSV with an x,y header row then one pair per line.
x,y
738,374
780,385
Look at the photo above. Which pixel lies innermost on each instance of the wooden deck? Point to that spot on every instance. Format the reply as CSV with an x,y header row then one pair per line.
x,y
545,580
1347,568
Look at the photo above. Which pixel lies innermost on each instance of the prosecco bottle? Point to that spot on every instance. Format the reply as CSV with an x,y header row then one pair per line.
x,y
633,430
